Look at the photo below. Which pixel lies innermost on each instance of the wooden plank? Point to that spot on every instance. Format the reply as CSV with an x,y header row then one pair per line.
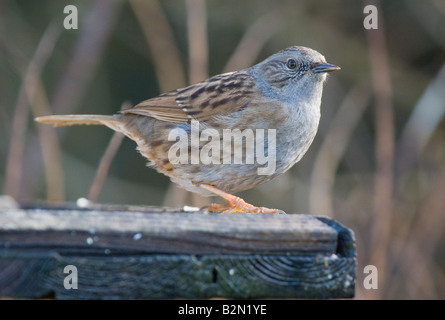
x,y
179,232
148,254
159,276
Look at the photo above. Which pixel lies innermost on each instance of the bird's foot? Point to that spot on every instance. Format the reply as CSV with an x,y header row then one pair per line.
x,y
234,203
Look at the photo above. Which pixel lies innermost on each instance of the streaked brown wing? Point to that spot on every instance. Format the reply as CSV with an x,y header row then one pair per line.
x,y
163,107
220,94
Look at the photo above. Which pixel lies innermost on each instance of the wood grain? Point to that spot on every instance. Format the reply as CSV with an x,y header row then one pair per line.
x,y
179,232
165,253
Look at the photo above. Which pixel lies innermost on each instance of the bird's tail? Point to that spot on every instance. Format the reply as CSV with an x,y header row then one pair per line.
x,y
74,119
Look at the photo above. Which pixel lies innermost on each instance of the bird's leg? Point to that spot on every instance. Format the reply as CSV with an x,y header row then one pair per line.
x,y
234,203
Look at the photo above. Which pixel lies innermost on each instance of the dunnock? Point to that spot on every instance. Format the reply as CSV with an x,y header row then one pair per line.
x,y
280,96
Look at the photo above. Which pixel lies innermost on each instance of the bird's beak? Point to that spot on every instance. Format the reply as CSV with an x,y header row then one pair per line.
x,y
324,67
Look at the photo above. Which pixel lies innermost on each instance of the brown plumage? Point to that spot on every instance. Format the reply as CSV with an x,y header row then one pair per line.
x,y
280,96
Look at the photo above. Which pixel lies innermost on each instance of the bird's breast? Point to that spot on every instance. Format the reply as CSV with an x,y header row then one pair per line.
x,y
296,134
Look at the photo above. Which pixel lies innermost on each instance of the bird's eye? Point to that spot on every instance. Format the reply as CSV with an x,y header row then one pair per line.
x,y
291,64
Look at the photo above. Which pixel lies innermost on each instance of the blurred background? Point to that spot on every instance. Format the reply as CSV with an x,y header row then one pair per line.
x,y
377,164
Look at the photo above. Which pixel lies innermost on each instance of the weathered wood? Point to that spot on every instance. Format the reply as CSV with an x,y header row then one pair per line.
x,y
164,253
180,232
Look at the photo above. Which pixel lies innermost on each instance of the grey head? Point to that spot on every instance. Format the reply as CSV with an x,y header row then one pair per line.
x,y
292,73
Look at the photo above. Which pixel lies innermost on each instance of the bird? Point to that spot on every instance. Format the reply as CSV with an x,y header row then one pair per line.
x,y
270,110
